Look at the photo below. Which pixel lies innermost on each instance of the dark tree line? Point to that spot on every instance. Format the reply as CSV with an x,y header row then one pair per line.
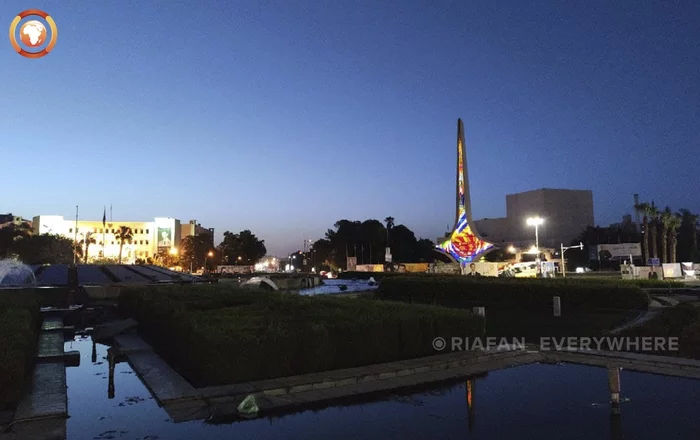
x,y
367,241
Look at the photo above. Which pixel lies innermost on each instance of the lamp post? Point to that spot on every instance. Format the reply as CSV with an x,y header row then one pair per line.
x,y
564,249
209,254
536,222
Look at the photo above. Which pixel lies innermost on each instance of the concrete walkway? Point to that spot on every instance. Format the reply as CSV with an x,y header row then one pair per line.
x,y
184,402
42,412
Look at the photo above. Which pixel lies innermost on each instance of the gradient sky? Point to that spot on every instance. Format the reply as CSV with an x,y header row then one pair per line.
x,y
283,117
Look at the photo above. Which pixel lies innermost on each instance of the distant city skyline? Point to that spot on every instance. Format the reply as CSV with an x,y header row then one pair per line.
x,y
284,117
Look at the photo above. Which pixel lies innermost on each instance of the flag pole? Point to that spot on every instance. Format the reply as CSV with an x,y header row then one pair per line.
x,y
75,239
104,232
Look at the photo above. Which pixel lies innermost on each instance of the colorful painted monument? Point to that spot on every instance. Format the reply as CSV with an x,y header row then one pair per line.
x,y
464,244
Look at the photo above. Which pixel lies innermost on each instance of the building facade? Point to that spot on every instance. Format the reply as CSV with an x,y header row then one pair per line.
x,y
566,214
163,234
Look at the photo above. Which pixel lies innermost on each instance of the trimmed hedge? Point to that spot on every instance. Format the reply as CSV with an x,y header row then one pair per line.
x,y
512,293
221,334
572,279
681,321
19,327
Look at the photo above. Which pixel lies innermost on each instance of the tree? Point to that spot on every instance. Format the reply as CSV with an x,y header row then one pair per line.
x,y
644,209
665,219
194,250
123,235
389,224
653,230
688,236
9,235
243,247
673,225
45,249
324,255
87,241
165,259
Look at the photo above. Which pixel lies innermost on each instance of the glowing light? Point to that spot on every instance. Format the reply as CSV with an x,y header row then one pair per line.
x,y
511,249
535,221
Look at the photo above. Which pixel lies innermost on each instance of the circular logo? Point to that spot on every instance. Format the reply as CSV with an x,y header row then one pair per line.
x,y
439,344
33,34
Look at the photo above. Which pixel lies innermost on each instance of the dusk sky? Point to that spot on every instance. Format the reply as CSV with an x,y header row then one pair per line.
x,y
284,117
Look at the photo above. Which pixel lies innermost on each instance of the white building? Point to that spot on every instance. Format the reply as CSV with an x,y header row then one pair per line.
x,y
163,234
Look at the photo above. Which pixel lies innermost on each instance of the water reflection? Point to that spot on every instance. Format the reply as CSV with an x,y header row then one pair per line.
x,y
535,401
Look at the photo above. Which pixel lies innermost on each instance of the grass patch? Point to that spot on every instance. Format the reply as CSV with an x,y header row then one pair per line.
x,y
19,326
220,334
681,321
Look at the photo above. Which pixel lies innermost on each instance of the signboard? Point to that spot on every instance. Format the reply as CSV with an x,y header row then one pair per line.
x,y
387,255
619,251
164,237
672,270
688,270
483,269
654,262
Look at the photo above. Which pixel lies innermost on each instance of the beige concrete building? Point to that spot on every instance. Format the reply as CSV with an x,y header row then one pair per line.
x,y
566,214
163,234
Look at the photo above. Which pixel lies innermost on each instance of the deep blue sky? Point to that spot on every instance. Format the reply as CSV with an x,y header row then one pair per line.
x,y
283,117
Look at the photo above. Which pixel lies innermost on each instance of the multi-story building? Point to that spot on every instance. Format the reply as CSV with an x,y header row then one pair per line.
x,y
7,219
163,234
566,214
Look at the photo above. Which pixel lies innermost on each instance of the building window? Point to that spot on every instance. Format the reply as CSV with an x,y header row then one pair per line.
x,y
146,231
141,242
70,231
146,241
112,242
101,230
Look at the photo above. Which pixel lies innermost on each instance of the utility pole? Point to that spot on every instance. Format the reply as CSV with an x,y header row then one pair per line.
x,y
564,249
75,239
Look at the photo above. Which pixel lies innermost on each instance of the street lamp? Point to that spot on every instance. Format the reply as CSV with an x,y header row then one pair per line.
x,y
209,255
536,222
564,249
173,251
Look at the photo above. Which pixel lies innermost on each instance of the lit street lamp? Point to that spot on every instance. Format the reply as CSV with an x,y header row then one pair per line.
x,y
209,254
536,222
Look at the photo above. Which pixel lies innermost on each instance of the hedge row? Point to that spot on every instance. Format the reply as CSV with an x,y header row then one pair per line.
x,y
682,322
512,293
220,334
586,279
19,326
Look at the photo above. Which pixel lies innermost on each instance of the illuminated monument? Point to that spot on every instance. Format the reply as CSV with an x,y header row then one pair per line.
x,y
464,244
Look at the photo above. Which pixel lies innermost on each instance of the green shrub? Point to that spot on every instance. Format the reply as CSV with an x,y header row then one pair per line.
x,y
681,321
512,293
19,321
222,334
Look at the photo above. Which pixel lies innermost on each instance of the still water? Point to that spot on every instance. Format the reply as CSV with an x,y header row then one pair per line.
x,y
529,402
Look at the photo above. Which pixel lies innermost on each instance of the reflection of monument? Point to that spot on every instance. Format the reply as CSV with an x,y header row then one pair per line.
x,y
464,244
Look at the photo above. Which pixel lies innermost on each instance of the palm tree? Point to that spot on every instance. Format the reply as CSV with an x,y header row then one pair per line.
x,y
389,224
87,241
653,215
673,225
665,219
643,208
123,235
